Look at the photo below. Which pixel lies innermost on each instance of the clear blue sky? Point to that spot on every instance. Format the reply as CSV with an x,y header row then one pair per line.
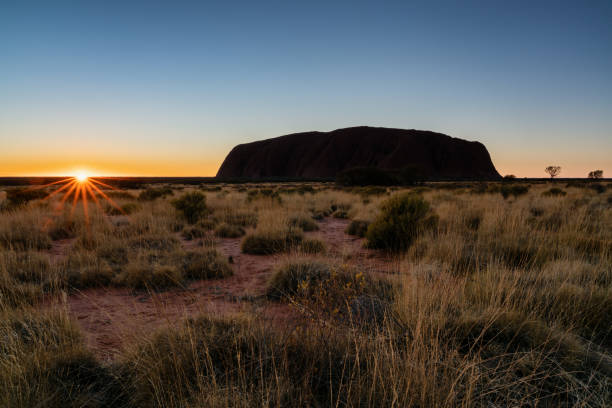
x,y
167,88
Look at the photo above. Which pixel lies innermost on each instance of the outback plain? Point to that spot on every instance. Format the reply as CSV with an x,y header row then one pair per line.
x,y
306,294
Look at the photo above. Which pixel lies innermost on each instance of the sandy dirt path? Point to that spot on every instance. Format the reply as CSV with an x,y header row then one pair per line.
x,y
112,318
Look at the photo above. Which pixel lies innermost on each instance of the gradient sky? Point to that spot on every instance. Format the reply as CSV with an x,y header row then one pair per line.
x,y
168,88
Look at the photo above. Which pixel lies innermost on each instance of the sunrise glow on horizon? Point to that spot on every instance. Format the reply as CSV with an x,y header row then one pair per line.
x,y
165,90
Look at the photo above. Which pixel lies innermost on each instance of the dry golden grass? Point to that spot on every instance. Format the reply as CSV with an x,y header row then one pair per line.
x,y
506,302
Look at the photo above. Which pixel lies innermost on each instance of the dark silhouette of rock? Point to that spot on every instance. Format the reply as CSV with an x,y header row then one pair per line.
x,y
315,155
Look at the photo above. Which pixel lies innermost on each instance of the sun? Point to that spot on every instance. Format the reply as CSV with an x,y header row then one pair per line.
x,y
81,177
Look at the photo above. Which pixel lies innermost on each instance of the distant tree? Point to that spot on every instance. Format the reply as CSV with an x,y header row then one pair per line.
x,y
509,177
553,171
596,174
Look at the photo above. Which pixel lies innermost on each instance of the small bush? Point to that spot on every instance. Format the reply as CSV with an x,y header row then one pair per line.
x,y
263,193
289,277
473,220
206,264
192,206
19,197
192,232
304,222
229,231
358,228
597,187
341,214
514,190
115,253
554,192
312,246
332,293
140,275
151,194
266,243
400,221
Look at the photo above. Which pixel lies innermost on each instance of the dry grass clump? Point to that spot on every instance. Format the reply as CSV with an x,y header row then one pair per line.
x,y
358,228
303,221
235,217
141,274
85,269
401,219
328,291
22,231
206,264
312,246
154,270
229,231
192,232
44,362
151,193
215,362
271,242
554,192
514,190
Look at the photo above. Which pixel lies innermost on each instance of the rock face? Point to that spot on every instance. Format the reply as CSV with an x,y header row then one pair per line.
x,y
323,154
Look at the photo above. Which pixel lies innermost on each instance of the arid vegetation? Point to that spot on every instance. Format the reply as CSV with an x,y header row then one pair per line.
x,y
441,294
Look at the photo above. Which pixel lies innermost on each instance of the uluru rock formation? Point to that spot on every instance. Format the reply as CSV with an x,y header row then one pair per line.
x,y
314,155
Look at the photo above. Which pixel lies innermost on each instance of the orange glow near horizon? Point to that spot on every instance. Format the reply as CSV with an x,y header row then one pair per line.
x,y
79,187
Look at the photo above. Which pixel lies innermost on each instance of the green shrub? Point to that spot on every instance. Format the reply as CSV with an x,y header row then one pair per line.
x,y
229,231
265,243
358,228
206,264
400,221
192,206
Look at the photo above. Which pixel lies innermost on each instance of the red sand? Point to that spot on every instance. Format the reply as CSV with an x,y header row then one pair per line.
x,y
112,318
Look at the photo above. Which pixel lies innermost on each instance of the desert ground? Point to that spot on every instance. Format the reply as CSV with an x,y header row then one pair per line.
x,y
307,294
